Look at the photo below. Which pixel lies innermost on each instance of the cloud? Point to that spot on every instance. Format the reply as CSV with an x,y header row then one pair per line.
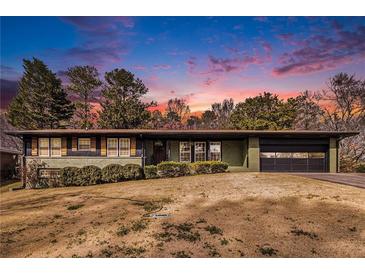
x,y
321,52
139,67
162,66
191,63
8,91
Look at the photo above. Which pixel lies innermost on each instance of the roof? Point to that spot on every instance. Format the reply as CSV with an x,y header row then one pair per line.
x,y
188,133
8,144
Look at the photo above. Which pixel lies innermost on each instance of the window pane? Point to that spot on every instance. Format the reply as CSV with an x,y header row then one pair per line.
x,y
267,154
199,151
316,155
43,146
55,147
84,144
124,147
185,152
300,155
215,151
112,148
283,155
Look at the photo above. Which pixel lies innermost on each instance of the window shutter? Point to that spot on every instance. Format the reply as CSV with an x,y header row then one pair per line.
x,y
34,146
133,146
74,143
103,146
93,144
64,146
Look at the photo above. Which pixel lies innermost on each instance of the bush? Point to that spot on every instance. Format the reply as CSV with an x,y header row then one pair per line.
x,y
90,175
218,167
112,173
70,176
360,168
209,167
172,169
133,172
150,172
32,180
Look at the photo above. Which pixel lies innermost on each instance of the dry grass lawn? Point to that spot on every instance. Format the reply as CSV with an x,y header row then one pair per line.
x,y
223,215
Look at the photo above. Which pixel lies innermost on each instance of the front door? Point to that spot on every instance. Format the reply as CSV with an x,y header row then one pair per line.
x,y
159,151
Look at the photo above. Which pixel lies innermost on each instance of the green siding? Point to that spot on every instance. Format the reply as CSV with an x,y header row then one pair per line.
x,y
253,154
332,155
174,151
232,152
148,151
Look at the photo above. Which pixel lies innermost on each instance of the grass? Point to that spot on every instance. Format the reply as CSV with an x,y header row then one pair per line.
x,y
7,186
240,215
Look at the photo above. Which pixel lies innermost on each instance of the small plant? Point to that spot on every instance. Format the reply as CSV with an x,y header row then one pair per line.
x,y
201,221
180,254
74,207
353,229
90,175
224,241
134,251
214,230
299,232
268,251
133,172
57,216
172,169
122,231
70,176
139,225
112,173
106,253
151,206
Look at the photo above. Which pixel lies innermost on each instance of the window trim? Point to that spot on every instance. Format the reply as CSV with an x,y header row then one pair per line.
x,y
205,150
107,147
39,147
84,149
220,151
189,145
51,147
120,147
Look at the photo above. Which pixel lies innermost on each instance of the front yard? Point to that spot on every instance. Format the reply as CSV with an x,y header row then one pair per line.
x,y
220,215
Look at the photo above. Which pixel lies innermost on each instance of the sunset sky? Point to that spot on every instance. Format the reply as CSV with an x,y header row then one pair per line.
x,y
202,59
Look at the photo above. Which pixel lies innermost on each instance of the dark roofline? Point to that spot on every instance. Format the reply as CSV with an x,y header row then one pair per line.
x,y
197,132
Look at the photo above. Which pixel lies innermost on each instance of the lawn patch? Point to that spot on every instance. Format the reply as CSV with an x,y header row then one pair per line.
x,y
268,251
75,207
214,230
299,232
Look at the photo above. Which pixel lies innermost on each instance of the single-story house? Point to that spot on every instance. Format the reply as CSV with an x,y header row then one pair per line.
x,y
247,150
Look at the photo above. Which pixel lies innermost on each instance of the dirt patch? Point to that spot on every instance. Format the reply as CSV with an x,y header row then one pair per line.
x,y
239,215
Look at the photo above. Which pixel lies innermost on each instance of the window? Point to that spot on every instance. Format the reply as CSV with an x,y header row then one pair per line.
x,y
267,154
84,144
49,173
124,147
43,147
319,155
199,151
283,155
300,155
215,151
55,147
112,147
185,152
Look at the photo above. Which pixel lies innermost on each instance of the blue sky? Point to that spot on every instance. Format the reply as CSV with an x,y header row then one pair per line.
x,y
202,59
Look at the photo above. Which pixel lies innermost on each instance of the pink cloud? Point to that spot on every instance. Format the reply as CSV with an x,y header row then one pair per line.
x,y
162,66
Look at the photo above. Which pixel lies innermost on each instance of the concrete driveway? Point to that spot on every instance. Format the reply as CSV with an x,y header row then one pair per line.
x,y
351,179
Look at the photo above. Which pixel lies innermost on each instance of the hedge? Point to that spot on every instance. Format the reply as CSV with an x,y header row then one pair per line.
x,y
113,173
150,172
70,176
206,167
90,175
172,169
360,168
133,172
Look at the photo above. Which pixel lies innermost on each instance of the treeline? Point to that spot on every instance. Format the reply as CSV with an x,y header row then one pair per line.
x,y
43,101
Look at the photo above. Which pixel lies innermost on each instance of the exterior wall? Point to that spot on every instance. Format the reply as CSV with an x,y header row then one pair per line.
x,y
148,147
174,151
253,154
232,152
333,155
75,161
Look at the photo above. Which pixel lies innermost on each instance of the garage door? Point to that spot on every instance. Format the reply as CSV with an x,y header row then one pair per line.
x,y
293,161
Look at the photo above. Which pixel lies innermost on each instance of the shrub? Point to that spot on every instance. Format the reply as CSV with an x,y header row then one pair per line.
x,y
150,172
360,168
32,180
112,173
209,167
218,167
90,175
70,176
172,169
133,172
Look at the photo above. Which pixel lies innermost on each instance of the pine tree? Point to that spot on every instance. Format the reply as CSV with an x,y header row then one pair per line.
x,y
121,105
41,102
84,82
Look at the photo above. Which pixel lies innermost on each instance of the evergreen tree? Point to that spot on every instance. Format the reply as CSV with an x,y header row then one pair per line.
x,y
121,105
84,82
41,102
